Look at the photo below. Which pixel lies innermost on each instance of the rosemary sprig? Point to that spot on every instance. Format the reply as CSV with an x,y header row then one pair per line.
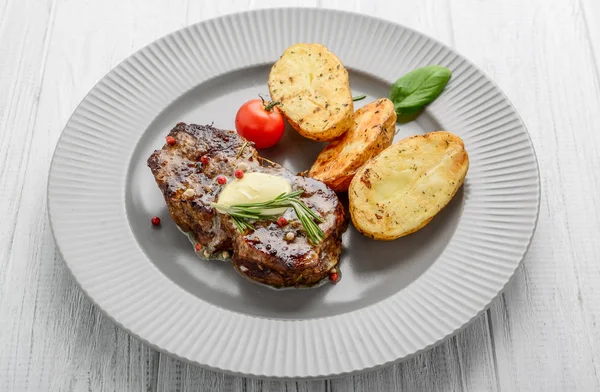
x,y
243,214
263,159
241,151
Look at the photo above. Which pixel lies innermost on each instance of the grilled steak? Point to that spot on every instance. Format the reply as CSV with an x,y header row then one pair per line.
x,y
201,154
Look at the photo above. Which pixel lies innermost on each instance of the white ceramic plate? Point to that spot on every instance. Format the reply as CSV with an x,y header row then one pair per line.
x,y
395,298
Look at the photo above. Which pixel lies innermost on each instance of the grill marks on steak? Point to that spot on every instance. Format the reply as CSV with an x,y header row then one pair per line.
x,y
267,257
263,254
179,168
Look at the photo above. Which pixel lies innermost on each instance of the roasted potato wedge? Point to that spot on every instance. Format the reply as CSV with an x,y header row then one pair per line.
x,y
400,190
371,132
313,87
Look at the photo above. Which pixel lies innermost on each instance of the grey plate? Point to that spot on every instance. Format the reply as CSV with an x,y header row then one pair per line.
x,y
395,298
363,284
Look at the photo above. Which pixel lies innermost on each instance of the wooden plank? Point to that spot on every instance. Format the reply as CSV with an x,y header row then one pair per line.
x,y
287,386
545,326
590,13
174,375
23,51
51,54
464,362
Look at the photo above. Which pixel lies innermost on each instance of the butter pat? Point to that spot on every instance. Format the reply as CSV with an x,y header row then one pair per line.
x,y
255,188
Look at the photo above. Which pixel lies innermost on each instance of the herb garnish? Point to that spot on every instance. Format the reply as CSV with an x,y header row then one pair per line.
x,y
243,214
241,151
417,88
359,97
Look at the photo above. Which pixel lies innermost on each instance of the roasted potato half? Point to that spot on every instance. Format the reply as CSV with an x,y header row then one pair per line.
x,y
400,190
313,87
372,131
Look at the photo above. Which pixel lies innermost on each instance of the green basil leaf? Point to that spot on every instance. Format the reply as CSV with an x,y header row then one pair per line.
x,y
418,88
404,110
403,118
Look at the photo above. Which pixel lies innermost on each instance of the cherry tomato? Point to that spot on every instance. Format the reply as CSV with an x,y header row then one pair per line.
x,y
260,122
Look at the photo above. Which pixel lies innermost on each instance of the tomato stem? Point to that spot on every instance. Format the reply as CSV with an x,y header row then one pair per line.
x,y
271,105
268,105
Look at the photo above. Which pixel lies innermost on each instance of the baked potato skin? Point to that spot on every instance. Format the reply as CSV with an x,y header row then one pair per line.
x,y
313,88
402,189
372,131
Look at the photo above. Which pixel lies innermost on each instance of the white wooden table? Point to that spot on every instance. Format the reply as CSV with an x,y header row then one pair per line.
x,y
543,333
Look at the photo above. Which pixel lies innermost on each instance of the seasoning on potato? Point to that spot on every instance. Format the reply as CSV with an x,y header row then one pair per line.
x,y
372,131
400,190
314,90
